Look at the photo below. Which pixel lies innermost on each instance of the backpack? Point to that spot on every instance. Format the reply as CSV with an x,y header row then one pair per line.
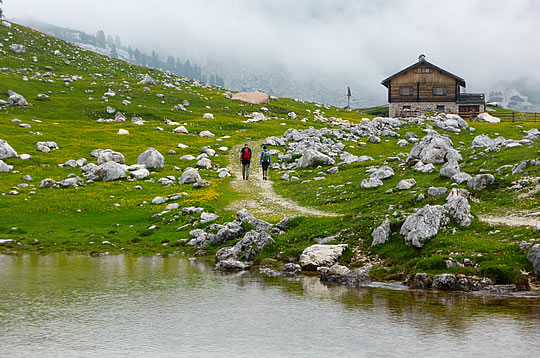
x,y
266,157
245,153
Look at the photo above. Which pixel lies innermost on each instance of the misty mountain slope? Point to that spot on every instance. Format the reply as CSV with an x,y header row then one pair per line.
x,y
59,197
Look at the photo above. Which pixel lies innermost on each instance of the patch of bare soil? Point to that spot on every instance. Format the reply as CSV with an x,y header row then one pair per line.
x,y
252,97
513,219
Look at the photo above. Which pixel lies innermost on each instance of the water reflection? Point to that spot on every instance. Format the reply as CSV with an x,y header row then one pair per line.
x,y
66,304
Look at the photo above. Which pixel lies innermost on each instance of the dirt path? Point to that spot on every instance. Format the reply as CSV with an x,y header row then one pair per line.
x,y
257,195
511,220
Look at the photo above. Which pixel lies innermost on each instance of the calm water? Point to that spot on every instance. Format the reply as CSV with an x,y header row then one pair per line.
x,y
78,306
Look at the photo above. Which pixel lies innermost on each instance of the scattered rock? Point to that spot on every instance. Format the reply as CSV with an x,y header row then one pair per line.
x,y
445,282
342,275
480,182
151,159
207,217
147,80
422,225
190,175
420,281
486,117
108,155
381,234
321,255
6,151
406,184
206,134
432,191
312,158
108,171
16,99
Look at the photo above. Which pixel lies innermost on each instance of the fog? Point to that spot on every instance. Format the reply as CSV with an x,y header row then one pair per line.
x,y
337,43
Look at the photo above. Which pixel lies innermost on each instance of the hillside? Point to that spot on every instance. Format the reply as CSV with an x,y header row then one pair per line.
x,y
340,175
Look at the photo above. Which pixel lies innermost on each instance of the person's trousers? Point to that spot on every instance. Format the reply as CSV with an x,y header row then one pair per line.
x,y
245,170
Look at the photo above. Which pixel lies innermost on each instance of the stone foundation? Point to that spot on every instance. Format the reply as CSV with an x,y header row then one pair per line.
x,y
404,108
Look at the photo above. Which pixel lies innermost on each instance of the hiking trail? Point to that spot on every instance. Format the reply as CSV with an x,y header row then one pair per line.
x,y
258,195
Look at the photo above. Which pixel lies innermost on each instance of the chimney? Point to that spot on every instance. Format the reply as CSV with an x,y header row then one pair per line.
x,y
422,57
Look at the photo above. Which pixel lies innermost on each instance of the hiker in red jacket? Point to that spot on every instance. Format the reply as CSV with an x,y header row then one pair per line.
x,y
245,159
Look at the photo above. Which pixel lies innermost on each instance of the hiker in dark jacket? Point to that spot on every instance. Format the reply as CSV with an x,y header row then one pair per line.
x,y
266,160
245,159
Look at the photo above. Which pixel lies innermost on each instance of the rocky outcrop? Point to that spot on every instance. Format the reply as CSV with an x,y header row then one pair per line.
x,y
321,255
422,225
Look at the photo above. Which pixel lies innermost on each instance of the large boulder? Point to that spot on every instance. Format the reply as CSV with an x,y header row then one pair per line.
x,y
422,225
6,151
109,171
483,141
108,155
190,175
151,159
433,148
486,117
480,182
16,99
381,234
313,157
534,257
321,255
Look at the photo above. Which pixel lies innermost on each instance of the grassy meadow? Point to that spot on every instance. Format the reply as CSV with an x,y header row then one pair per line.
x,y
115,217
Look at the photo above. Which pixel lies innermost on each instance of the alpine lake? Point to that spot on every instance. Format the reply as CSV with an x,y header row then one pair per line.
x,y
126,306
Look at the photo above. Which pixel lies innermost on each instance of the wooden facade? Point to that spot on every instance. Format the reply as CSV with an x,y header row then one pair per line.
x,y
428,82
426,87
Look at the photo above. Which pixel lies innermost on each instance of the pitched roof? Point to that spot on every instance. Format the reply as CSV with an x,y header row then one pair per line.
x,y
420,62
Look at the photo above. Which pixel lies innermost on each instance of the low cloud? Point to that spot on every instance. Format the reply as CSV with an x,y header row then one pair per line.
x,y
345,41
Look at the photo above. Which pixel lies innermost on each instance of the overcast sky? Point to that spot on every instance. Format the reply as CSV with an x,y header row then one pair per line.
x,y
481,41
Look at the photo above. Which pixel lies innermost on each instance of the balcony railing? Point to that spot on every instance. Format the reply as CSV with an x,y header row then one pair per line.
x,y
471,98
